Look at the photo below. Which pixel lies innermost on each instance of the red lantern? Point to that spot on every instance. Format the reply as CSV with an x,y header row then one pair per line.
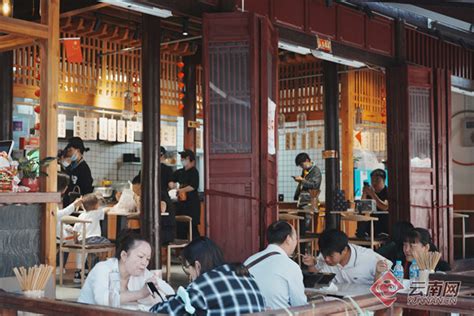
x,y
37,109
181,106
180,75
181,96
180,64
38,93
181,85
135,84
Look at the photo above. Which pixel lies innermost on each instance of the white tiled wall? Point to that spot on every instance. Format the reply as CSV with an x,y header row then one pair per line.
x,y
286,161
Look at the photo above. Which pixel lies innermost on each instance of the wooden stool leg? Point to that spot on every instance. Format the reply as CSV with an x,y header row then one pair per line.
x,y
168,265
61,265
463,238
83,266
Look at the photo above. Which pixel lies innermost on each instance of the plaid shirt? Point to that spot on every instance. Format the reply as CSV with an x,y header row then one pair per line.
x,y
218,292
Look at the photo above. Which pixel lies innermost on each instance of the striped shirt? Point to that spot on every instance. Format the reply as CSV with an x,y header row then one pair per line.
x,y
218,292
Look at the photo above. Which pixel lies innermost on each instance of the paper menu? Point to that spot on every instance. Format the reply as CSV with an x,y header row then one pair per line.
x,y
168,135
79,126
103,128
121,131
376,141
383,141
112,130
90,131
61,125
131,126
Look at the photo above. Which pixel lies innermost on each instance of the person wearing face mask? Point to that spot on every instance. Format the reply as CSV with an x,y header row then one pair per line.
x,y
78,170
310,179
188,198
132,256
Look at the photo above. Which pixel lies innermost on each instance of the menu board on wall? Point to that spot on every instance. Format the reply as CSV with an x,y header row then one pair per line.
x,y
103,128
90,131
303,141
168,135
319,139
112,130
312,139
61,125
131,128
121,131
79,127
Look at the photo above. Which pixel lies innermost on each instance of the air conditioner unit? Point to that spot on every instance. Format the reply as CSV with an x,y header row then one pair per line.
x,y
127,4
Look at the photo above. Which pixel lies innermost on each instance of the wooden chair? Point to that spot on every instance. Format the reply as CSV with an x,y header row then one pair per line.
x,y
80,248
464,235
178,243
361,218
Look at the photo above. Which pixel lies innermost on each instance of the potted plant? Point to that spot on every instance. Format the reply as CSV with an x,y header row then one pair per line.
x,y
29,168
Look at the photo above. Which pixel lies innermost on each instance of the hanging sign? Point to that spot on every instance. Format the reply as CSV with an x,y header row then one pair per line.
x,y
121,131
79,126
103,128
61,125
90,131
131,128
271,127
168,135
324,45
112,130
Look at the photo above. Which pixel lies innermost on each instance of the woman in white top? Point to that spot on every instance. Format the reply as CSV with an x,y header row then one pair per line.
x,y
132,257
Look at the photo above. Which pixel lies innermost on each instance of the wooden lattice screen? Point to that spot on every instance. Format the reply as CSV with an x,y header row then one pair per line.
x,y
301,90
100,80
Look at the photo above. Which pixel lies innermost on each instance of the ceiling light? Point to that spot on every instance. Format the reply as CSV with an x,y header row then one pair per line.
x,y
294,48
336,59
185,26
127,4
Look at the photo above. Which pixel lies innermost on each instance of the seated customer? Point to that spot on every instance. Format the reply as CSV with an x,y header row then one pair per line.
x,y
94,213
63,182
217,288
350,263
131,260
418,240
279,278
393,249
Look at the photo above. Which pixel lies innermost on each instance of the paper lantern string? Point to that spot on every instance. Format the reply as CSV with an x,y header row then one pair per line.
x,y
181,85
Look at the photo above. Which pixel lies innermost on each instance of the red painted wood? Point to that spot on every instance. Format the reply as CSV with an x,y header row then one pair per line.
x,y
322,19
235,48
289,13
379,35
350,27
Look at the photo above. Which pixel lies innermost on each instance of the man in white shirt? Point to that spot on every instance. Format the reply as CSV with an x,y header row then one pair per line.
x,y
350,263
279,278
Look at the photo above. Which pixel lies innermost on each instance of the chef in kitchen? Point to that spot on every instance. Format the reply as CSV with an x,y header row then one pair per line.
x,y
76,167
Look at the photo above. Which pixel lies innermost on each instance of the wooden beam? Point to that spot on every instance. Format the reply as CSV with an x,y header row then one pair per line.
x,y
11,42
49,85
84,10
347,113
6,95
23,28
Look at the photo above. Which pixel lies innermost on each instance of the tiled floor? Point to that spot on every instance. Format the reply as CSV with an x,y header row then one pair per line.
x,y
70,291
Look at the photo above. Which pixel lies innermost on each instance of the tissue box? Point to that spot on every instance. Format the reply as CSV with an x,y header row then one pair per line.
x,y
365,206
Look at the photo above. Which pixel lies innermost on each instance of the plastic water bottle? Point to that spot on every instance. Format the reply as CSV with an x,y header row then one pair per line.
x,y
414,272
398,271
114,289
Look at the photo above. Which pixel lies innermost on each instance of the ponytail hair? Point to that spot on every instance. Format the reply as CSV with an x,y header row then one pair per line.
x,y
126,241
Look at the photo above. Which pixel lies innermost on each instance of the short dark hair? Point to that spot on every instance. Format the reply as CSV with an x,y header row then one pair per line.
x,y
400,230
188,153
162,150
331,241
205,251
379,173
278,231
422,236
301,157
63,181
126,241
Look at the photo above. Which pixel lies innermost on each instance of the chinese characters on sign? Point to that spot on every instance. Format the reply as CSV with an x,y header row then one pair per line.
x,y
437,293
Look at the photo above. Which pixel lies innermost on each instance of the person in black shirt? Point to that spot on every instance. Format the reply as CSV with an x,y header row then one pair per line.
x,y
166,171
188,199
78,170
393,249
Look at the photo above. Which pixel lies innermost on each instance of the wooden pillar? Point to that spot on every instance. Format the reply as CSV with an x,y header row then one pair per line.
x,y
189,111
347,139
49,71
149,215
6,94
331,138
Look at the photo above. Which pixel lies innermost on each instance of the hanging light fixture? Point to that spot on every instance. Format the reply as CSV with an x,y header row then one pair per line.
x,y
185,26
127,112
7,8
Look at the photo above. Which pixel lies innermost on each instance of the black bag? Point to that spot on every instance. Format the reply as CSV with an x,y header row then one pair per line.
x,y
74,194
340,202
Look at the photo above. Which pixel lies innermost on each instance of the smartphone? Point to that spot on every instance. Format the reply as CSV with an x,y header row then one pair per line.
x,y
152,289
366,184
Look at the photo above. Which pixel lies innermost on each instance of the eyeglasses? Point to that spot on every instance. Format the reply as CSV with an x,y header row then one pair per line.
x,y
185,266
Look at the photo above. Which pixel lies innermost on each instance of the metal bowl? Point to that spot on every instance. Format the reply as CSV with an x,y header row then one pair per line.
x,y
106,192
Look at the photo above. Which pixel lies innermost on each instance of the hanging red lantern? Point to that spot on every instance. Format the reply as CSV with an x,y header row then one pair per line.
x,y
180,75
38,93
181,85
181,106
180,64
181,96
135,84
37,109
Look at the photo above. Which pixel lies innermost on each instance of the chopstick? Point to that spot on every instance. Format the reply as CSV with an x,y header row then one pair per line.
x,y
33,279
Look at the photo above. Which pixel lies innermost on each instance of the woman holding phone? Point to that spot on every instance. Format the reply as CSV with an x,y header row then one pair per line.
x,y
133,255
